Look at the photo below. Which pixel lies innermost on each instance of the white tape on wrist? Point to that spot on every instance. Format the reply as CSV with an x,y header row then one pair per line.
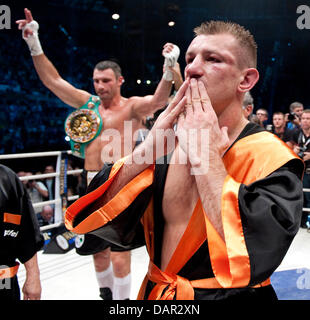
x,y
168,75
33,41
170,59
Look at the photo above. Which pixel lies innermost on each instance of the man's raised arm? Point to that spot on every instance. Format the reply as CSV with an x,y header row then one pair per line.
x,y
45,69
147,105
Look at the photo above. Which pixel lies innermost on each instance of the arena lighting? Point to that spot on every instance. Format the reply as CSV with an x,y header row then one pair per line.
x,y
148,81
115,16
138,81
171,12
67,138
171,23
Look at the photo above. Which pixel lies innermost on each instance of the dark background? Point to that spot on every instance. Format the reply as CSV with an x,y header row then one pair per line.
x,y
76,34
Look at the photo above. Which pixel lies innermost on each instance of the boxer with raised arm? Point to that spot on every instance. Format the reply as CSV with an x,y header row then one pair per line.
x,y
113,110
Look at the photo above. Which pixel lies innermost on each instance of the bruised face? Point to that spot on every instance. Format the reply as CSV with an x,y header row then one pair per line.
x,y
217,61
106,83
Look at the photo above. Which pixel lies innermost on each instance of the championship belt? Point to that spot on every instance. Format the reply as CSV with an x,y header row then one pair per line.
x,y
84,125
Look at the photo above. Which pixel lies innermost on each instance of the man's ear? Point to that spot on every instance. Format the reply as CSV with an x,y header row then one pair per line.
x,y
249,79
249,108
121,80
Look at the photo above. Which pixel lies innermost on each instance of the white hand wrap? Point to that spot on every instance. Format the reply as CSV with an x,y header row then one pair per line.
x,y
33,41
170,59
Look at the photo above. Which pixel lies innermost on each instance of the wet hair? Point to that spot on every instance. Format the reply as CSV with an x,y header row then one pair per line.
x,y
108,64
242,35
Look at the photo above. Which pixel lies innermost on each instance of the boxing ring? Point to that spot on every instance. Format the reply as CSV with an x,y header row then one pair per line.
x,y
56,238
68,276
64,274
61,199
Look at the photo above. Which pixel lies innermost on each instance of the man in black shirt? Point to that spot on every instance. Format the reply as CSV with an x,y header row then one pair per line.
x,y
279,127
20,239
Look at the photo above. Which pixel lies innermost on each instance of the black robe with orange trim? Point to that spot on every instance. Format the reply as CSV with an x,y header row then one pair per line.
x,y
20,236
261,210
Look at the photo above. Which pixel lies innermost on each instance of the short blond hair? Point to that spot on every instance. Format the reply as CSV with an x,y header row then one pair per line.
x,y
242,35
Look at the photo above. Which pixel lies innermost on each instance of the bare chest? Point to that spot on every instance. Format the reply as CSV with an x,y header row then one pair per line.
x,y
179,200
115,140
180,195
114,119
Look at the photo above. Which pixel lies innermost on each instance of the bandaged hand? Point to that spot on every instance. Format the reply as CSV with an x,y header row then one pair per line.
x,y
32,40
30,29
171,53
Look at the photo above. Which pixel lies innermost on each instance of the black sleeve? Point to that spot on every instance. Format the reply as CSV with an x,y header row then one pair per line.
x,y
14,199
30,238
293,135
287,136
270,211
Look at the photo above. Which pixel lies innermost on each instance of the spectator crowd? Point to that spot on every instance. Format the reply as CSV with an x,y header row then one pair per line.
x,y
294,129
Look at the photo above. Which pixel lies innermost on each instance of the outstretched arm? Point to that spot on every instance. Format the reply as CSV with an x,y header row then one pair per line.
x,y
44,67
147,105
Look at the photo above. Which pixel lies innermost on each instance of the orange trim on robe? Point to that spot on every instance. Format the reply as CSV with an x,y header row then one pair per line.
x,y
250,159
111,209
6,273
12,218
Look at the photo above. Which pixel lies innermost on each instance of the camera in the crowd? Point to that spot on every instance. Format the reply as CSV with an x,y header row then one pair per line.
x,y
292,116
301,151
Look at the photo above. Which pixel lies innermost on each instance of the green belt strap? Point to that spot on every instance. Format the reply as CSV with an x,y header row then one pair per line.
x,y
83,126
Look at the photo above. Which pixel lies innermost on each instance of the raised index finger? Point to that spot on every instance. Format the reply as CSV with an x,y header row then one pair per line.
x,y
28,15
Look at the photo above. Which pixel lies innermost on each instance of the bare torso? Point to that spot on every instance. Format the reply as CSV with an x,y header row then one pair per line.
x,y
179,200
99,150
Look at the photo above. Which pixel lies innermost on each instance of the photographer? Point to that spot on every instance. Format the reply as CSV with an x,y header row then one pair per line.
x,y
301,145
293,118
